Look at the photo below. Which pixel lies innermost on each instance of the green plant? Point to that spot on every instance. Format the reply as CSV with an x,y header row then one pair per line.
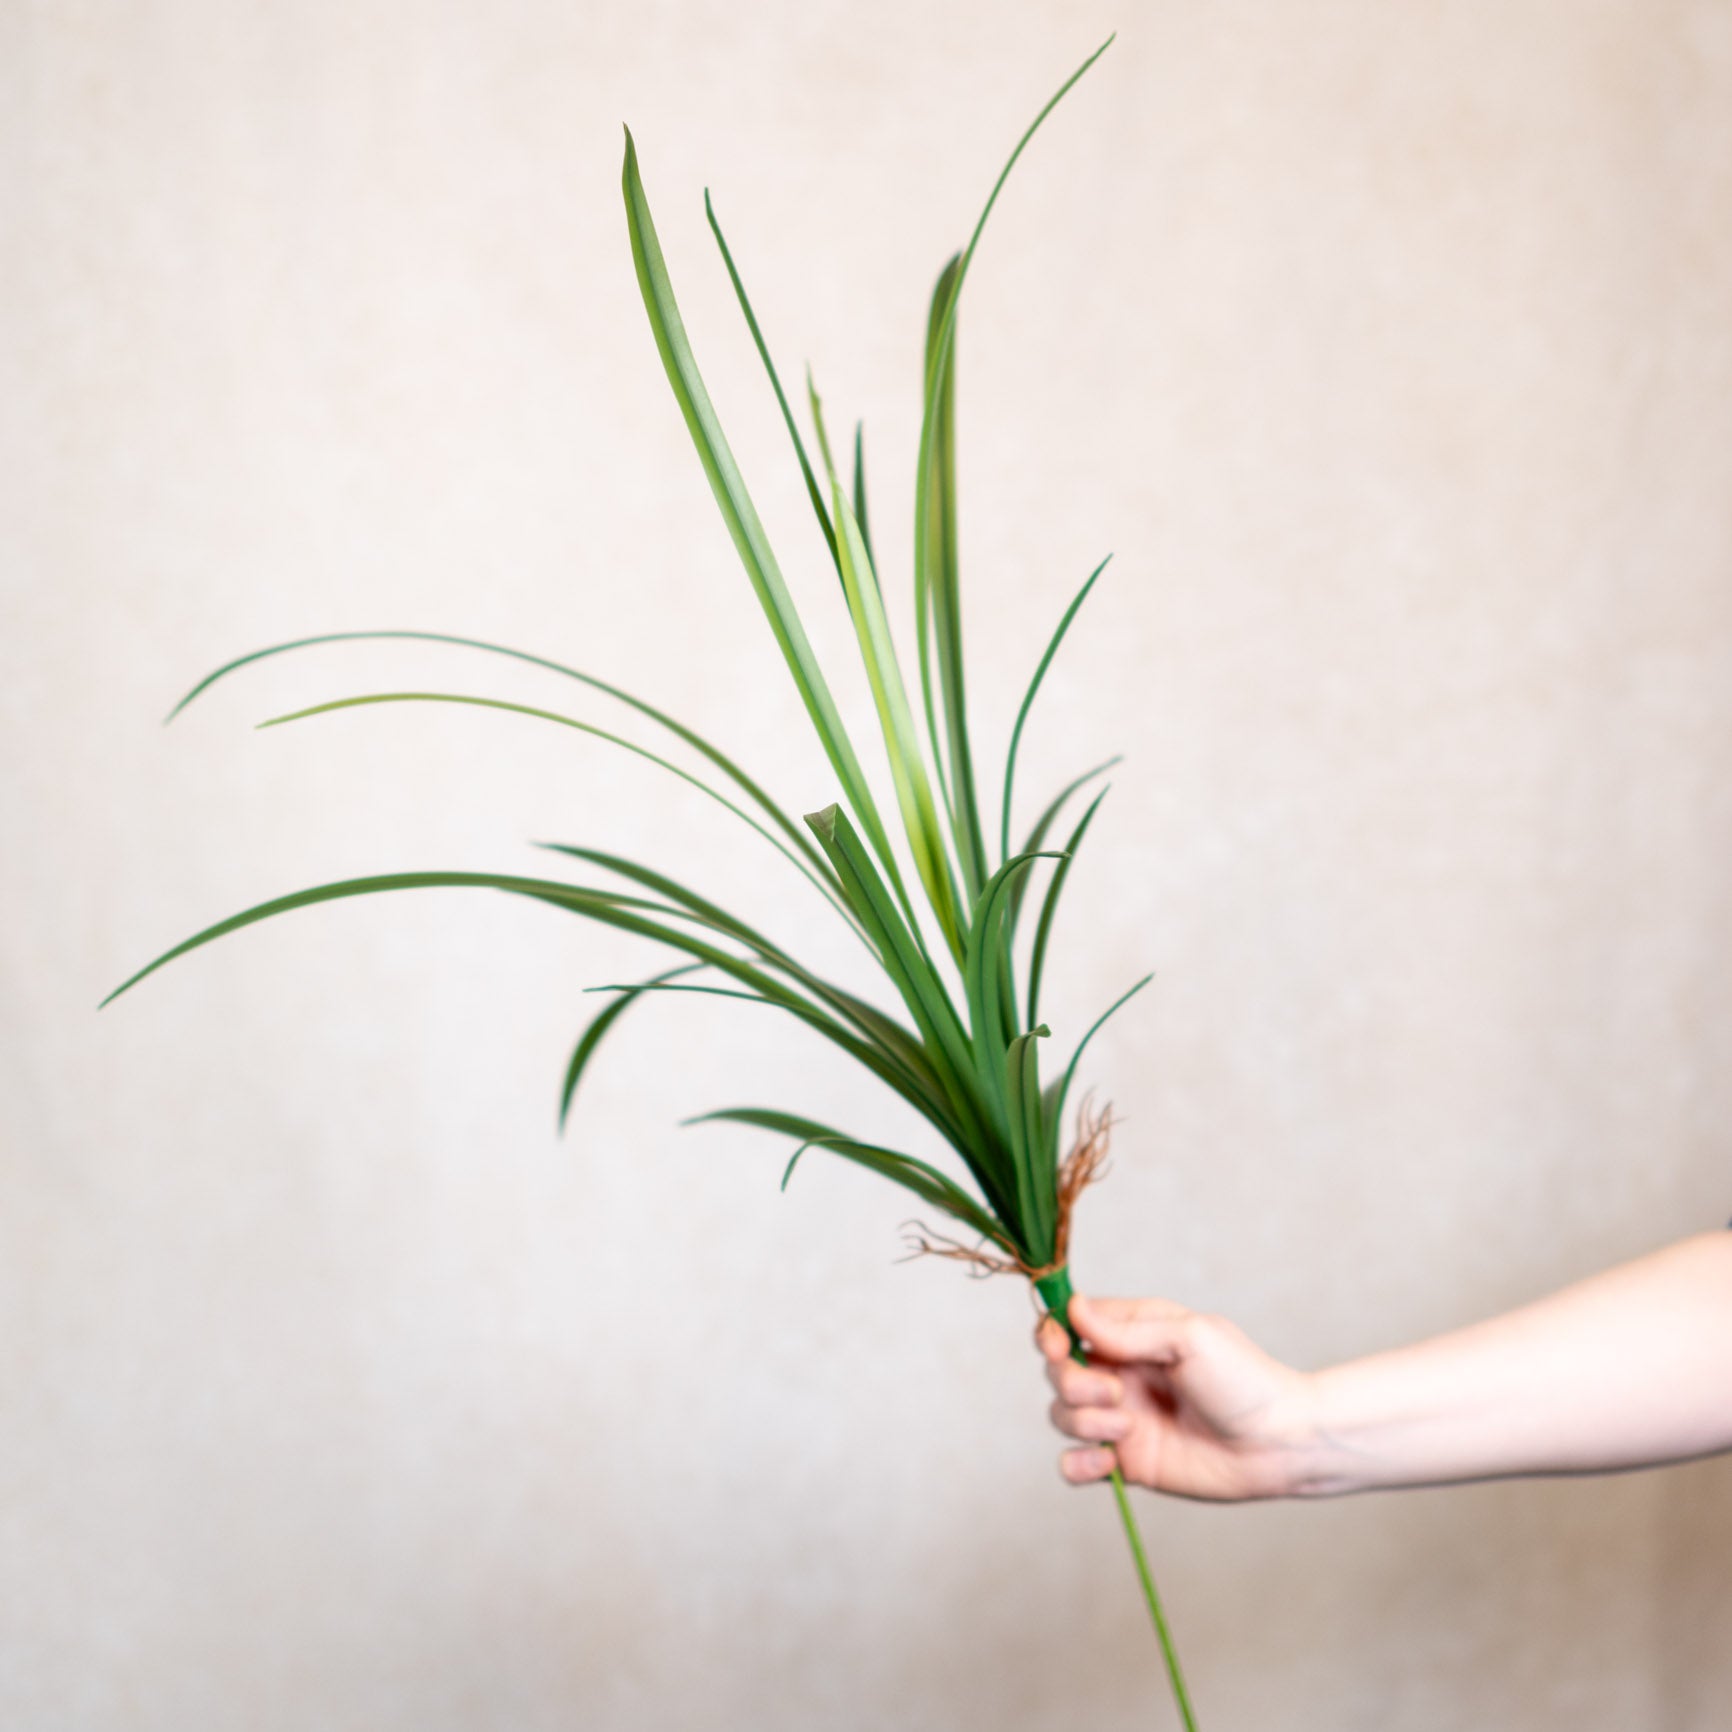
x,y
967,1057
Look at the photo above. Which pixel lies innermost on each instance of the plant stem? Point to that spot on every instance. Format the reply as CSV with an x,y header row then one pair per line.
x,y
1171,1654
1056,1290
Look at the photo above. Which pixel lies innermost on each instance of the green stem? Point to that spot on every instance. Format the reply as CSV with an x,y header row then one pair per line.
x,y
1056,1291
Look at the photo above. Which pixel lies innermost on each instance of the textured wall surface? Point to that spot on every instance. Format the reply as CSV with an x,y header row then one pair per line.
x,y
1390,350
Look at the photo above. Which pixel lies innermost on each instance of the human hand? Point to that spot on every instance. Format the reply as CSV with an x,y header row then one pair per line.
x,y
1189,1402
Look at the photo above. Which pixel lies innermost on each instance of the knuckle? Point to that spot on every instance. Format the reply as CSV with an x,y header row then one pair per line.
x,y
1104,1424
1209,1329
1074,1465
1194,1329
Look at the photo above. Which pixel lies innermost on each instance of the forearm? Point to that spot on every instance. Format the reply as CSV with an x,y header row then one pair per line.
x,y
1630,1368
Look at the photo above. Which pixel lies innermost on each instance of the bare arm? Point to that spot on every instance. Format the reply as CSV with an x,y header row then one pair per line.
x,y
1630,1368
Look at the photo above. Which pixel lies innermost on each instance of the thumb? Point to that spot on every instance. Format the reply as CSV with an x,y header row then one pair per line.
x,y
1155,1331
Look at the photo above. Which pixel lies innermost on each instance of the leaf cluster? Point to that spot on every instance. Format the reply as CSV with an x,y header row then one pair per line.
x,y
964,1048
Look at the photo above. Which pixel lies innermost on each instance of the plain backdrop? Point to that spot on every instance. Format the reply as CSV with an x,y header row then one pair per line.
x,y
1388,348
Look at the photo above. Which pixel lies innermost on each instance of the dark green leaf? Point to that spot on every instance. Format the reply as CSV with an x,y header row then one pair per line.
x,y
1043,927
1057,638
598,1027
814,492
1037,835
823,885
926,1182
741,515
860,490
1070,1069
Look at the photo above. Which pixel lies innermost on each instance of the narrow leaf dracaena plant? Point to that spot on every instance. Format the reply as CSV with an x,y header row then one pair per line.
x,y
964,1048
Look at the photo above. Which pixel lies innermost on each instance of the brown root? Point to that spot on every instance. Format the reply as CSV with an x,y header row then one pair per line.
x,y
1086,1162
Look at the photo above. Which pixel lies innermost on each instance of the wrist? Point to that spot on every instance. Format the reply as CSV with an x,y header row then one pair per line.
x,y
1289,1453
1314,1454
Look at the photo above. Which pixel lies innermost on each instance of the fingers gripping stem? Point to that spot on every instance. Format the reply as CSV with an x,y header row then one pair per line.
x,y
1056,1292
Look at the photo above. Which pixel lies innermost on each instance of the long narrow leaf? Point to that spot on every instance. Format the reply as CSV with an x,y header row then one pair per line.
x,y
1034,1185
1057,638
598,1027
884,675
1049,908
929,493
925,1181
702,991
1044,823
540,888
741,515
621,912
899,1046
937,590
910,972
860,490
813,491
981,974
745,783
922,991
1058,1098
824,885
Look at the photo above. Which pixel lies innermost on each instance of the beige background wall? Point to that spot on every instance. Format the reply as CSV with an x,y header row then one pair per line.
x,y
1388,348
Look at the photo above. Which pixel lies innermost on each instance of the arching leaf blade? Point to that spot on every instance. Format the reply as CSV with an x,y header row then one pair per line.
x,y
929,536
1057,1107
925,1181
813,491
899,1047
825,884
1034,1174
740,515
928,489
860,516
745,783
597,1030
1056,639
884,676
939,583
546,890
1049,907
1038,834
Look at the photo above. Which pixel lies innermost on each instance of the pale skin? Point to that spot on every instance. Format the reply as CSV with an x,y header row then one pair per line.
x,y
1630,1368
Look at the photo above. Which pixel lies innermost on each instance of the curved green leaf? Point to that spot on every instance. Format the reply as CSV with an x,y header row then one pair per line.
x,y
860,490
982,972
910,972
935,583
592,1036
661,718
1043,927
542,889
926,1182
812,489
1063,1087
823,885
884,675
741,516
1036,1180
1057,638
1044,823
938,595
899,1047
